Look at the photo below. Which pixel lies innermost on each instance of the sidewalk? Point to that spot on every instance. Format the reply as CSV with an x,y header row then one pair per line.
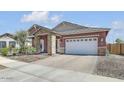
x,y
20,71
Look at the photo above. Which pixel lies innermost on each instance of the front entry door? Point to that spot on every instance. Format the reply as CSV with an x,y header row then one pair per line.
x,y
41,45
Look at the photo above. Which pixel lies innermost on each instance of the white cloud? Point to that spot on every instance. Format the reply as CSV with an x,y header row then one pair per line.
x,y
117,31
40,17
89,25
56,18
118,25
35,17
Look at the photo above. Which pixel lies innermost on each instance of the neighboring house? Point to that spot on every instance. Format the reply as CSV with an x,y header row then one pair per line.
x,y
69,38
7,40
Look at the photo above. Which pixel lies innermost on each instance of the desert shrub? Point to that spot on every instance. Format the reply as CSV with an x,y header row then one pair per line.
x,y
4,51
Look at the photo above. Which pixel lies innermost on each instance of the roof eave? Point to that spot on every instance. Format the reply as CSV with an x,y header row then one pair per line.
x,y
87,32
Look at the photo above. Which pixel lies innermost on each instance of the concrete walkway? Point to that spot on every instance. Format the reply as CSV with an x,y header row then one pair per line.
x,y
20,71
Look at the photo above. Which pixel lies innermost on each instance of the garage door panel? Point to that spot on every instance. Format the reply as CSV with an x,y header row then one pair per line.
x,y
80,46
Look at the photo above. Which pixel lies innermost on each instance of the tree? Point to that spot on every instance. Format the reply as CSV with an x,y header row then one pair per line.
x,y
118,40
21,37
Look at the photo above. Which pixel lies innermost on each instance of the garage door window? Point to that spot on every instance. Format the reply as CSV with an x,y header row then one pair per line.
x,y
74,40
94,39
78,40
90,39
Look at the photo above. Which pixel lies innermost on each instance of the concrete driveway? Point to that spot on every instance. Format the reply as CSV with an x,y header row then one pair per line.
x,y
18,71
77,63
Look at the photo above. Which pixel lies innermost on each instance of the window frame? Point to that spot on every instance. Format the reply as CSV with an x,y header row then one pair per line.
x,y
3,44
12,42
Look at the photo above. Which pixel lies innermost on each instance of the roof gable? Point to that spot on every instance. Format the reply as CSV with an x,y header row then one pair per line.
x,y
35,28
67,26
7,35
38,29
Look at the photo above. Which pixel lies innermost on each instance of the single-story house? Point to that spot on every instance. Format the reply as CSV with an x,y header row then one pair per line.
x,y
7,40
69,38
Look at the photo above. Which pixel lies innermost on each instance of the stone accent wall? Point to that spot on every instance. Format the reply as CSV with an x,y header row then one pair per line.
x,y
36,43
62,50
102,51
51,46
61,45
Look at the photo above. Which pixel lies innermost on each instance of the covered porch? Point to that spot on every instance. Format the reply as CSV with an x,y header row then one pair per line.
x,y
44,42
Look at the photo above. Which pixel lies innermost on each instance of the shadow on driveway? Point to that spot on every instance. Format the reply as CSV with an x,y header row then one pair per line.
x,y
2,67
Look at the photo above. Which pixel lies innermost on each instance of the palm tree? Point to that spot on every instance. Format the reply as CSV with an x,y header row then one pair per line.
x,y
21,37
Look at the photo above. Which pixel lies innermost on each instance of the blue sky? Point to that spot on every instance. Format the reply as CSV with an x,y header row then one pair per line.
x,y
14,21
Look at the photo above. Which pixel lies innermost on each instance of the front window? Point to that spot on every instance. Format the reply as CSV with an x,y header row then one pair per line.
x,y
2,44
12,44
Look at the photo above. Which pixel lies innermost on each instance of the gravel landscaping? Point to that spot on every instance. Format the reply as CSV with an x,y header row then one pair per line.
x,y
29,58
111,66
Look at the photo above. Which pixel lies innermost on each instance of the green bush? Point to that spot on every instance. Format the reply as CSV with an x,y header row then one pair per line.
x,y
15,51
4,51
14,54
31,50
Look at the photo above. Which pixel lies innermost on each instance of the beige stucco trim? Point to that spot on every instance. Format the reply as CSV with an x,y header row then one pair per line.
x,y
66,37
42,34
